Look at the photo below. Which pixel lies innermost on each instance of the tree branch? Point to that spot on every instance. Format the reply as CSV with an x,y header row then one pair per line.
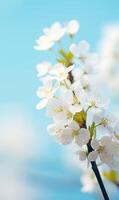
x,y
97,174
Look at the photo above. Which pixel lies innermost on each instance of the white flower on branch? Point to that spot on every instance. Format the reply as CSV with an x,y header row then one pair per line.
x,y
43,43
83,137
106,149
95,102
105,122
64,133
73,100
51,35
59,110
43,68
61,72
82,155
82,54
46,92
72,27
55,32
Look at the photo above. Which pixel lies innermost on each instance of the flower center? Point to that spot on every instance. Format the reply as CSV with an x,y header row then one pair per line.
x,y
59,109
101,149
105,122
93,103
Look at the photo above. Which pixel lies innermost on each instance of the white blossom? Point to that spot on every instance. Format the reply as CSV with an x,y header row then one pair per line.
x,y
43,68
59,110
65,137
81,52
51,35
60,71
106,149
104,121
83,137
95,102
72,27
55,32
82,155
73,101
46,92
64,133
43,43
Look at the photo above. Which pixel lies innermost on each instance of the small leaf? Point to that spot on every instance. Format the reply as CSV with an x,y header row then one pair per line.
x,y
92,129
69,55
64,62
63,53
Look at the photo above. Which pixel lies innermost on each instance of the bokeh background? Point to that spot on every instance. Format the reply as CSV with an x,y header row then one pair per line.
x,y
32,165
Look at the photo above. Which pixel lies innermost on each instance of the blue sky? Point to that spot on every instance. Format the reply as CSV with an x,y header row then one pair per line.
x,y
21,22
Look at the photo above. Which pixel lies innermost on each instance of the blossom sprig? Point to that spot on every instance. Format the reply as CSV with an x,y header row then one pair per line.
x,y
70,96
53,34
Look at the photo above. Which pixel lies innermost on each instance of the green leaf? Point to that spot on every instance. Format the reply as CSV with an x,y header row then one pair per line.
x,y
63,53
80,118
64,62
92,129
67,56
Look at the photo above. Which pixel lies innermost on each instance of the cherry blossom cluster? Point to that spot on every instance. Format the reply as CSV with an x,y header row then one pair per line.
x,y
70,93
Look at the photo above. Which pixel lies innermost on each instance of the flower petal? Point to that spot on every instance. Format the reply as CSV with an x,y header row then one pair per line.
x,y
82,155
42,104
83,137
95,144
92,156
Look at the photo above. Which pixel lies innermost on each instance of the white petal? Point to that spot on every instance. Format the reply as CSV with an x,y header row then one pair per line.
x,y
74,125
43,92
52,129
43,43
75,108
75,50
47,81
65,137
106,157
69,68
43,68
55,32
82,155
113,148
69,95
83,137
55,129
72,27
84,131
106,140
92,156
42,104
95,144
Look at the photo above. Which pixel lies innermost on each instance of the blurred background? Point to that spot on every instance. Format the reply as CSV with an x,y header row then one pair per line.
x,y
32,165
